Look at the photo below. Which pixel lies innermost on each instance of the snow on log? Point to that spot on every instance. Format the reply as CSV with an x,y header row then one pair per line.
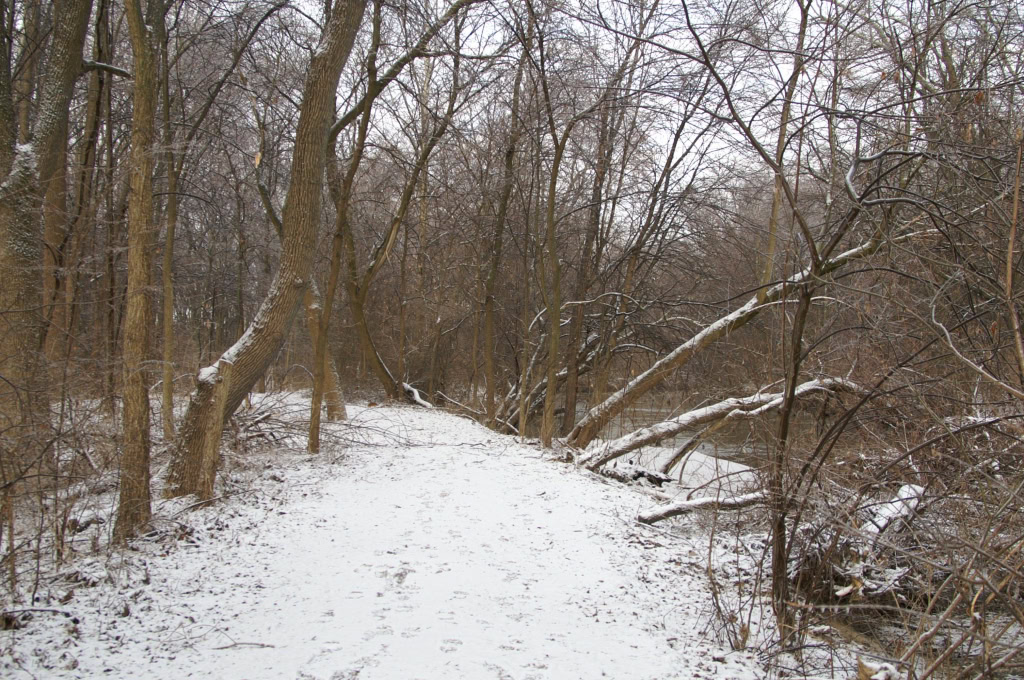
x,y
627,474
903,507
735,407
734,503
414,394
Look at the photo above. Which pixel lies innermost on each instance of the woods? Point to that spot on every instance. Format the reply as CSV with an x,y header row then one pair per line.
x,y
614,227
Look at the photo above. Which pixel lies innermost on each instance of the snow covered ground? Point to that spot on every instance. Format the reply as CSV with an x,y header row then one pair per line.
x,y
433,549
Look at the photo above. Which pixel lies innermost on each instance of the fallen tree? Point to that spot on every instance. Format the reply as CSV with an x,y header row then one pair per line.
x,y
710,502
599,416
727,409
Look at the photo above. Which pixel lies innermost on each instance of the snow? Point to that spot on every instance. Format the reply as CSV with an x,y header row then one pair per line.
x,y
415,394
701,475
882,671
430,548
207,374
902,506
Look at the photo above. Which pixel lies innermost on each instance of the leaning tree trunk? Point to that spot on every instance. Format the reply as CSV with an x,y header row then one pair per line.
x,y
311,304
726,410
255,350
597,417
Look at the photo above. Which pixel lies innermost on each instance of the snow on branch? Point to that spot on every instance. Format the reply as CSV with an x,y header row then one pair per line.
x,y
414,394
732,408
681,508
89,65
902,507
599,415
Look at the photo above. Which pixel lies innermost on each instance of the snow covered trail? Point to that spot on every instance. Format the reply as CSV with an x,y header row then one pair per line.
x,y
442,550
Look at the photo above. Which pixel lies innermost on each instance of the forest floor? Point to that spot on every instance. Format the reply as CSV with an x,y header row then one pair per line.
x,y
418,545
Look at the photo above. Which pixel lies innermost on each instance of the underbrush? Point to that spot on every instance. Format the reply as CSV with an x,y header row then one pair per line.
x,y
902,562
62,510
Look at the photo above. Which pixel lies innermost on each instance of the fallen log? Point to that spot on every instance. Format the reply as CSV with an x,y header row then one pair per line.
x,y
728,409
711,502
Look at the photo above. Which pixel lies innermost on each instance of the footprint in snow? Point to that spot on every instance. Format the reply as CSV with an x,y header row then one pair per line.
x,y
396,577
377,632
451,645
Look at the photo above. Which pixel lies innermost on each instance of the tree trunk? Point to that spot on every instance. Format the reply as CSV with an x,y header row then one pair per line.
x,y
779,499
167,284
507,179
56,235
253,352
83,207
525,360
24,171
707,503
133,509
402,303
725,410
311,304
333,395
554,300
583,280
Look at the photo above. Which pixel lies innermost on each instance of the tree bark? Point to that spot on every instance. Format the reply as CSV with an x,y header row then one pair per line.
x,y
24,171
133,509
253,352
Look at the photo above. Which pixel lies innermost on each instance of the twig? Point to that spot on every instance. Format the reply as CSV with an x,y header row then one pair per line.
x,y
16,612
208,501
246,644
